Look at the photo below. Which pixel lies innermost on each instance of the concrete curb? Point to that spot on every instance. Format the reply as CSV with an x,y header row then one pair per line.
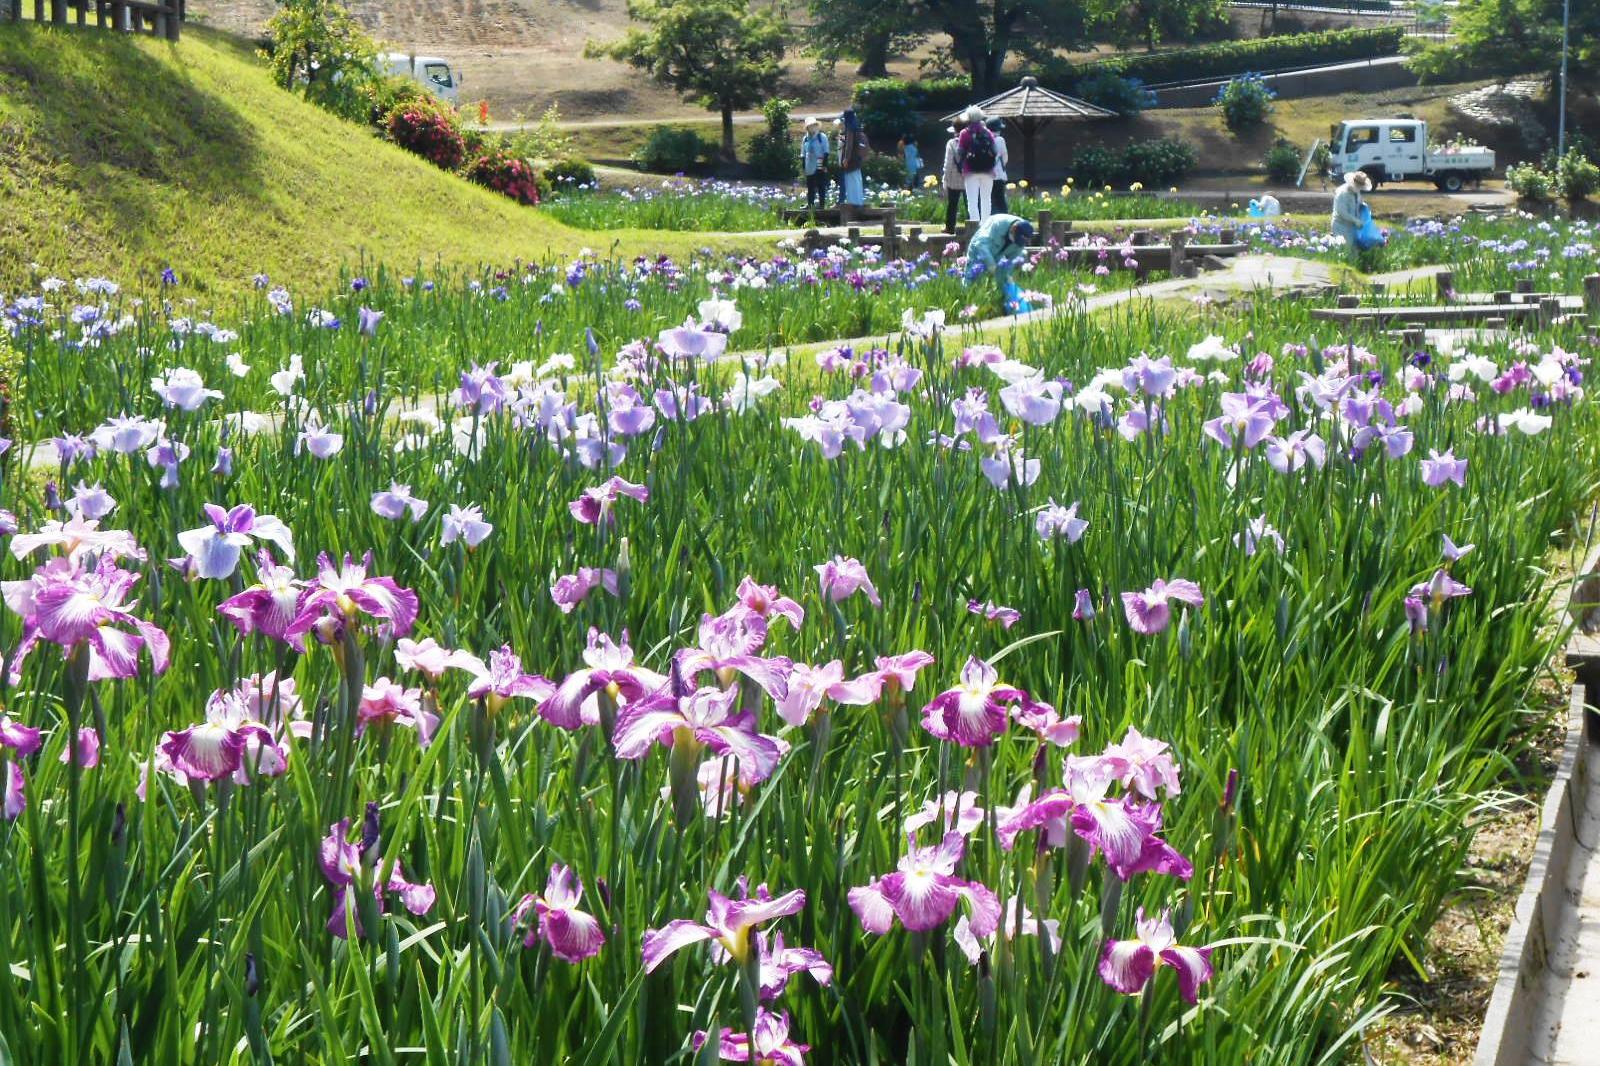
x,y
1525,1011
1517,1021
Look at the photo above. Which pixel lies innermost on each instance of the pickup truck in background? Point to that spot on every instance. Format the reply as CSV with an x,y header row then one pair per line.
x,y
1396,149
430,72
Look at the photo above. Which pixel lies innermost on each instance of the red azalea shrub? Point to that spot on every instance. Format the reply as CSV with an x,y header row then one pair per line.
x,y
505,173
429,130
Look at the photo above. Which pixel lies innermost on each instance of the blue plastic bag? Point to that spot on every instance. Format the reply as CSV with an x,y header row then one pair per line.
x,y
1368,235
1011,292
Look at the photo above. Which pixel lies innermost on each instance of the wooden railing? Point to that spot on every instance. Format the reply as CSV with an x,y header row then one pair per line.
x,y
164,18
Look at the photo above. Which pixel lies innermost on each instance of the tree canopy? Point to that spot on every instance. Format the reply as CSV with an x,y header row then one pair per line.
x,y
719,54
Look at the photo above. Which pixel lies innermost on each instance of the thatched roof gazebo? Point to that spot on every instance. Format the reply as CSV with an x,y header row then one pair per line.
x,y
1032,107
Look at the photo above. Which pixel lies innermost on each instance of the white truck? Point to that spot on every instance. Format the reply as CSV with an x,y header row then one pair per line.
x,y
1396,149
431,72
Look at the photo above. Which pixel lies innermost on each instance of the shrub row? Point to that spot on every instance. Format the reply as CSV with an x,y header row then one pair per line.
x,y
1228,58
891,102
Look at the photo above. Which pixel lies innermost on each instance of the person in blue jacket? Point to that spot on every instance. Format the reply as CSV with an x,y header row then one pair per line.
x,y
996,248
913,159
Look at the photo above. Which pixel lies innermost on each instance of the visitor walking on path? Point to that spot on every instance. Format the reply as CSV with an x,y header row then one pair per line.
x,y
814,149
852,153
913,160
954,181
997,202
977,154
1347,205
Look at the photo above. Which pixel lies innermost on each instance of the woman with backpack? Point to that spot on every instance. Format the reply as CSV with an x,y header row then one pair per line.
x,y
978,156
852,153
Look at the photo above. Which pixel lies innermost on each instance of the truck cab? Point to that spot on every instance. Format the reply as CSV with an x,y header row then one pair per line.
x,y
431,72
1396,149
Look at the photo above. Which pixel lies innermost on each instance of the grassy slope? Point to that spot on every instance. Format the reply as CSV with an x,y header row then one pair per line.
x,y
121,155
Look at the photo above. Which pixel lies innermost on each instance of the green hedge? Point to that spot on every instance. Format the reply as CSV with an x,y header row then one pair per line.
x,y
894,97
1229,58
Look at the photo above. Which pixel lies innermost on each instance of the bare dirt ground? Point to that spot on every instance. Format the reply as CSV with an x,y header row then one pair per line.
x,y
523,55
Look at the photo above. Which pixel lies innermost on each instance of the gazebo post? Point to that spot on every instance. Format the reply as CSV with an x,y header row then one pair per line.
x,y
1030,129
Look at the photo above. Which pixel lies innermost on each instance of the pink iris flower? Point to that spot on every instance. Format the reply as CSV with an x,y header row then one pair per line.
x,y
15,799
1129,965
503,679
594,507
1016,921
346,863
22,739
64,605
766,601
773,1046
1047,724
728,924
808,686
77,537
85,750
993,612
385,703
780,962
728,646
244,736
426,656
344,591
1144,764
974,712
924,892
569,590
841,578
608,668
1150,611
1123,830
268,607
573,934
703,719
956,812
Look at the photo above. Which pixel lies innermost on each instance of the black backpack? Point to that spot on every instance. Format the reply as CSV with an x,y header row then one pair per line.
x,y
981,157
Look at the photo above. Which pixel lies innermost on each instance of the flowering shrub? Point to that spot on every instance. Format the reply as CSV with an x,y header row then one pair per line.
x,y
429,129
1245,102
1577,177
505,174
1530,182
1282,162
570,175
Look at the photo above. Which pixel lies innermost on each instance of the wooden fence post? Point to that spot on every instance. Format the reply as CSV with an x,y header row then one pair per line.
x,y
174,19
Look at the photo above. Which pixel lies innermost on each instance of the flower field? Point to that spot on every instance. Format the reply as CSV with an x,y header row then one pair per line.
x,y
1121,695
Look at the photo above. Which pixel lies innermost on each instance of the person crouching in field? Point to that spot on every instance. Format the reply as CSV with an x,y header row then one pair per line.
x,y
954,182
997,247
814,149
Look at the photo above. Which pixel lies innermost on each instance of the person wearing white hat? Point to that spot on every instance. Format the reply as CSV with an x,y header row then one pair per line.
x,y
977,155
814,150
1346,217
954,182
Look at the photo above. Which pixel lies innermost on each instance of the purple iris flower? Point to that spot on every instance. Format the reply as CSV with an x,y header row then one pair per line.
x,y
396,501
728,644
15,799
1055,521
609,668
594,506
67,606
573,934
1129,965
1152,377
1150,611
481,390
215,548
728,924
689,341
1439,468
1082,606
367,321
841,577
321,442
344,591
346,864
974,712
569,590
1246,419
269,606
772,1043
924,892
503,679
465,524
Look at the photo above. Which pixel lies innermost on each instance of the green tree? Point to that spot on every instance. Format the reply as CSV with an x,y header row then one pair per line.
x,y
1513,37
984,32
318,44
866,30
718,53
1150,22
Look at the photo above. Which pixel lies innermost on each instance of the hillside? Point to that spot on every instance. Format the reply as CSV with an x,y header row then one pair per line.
x,y
121,155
